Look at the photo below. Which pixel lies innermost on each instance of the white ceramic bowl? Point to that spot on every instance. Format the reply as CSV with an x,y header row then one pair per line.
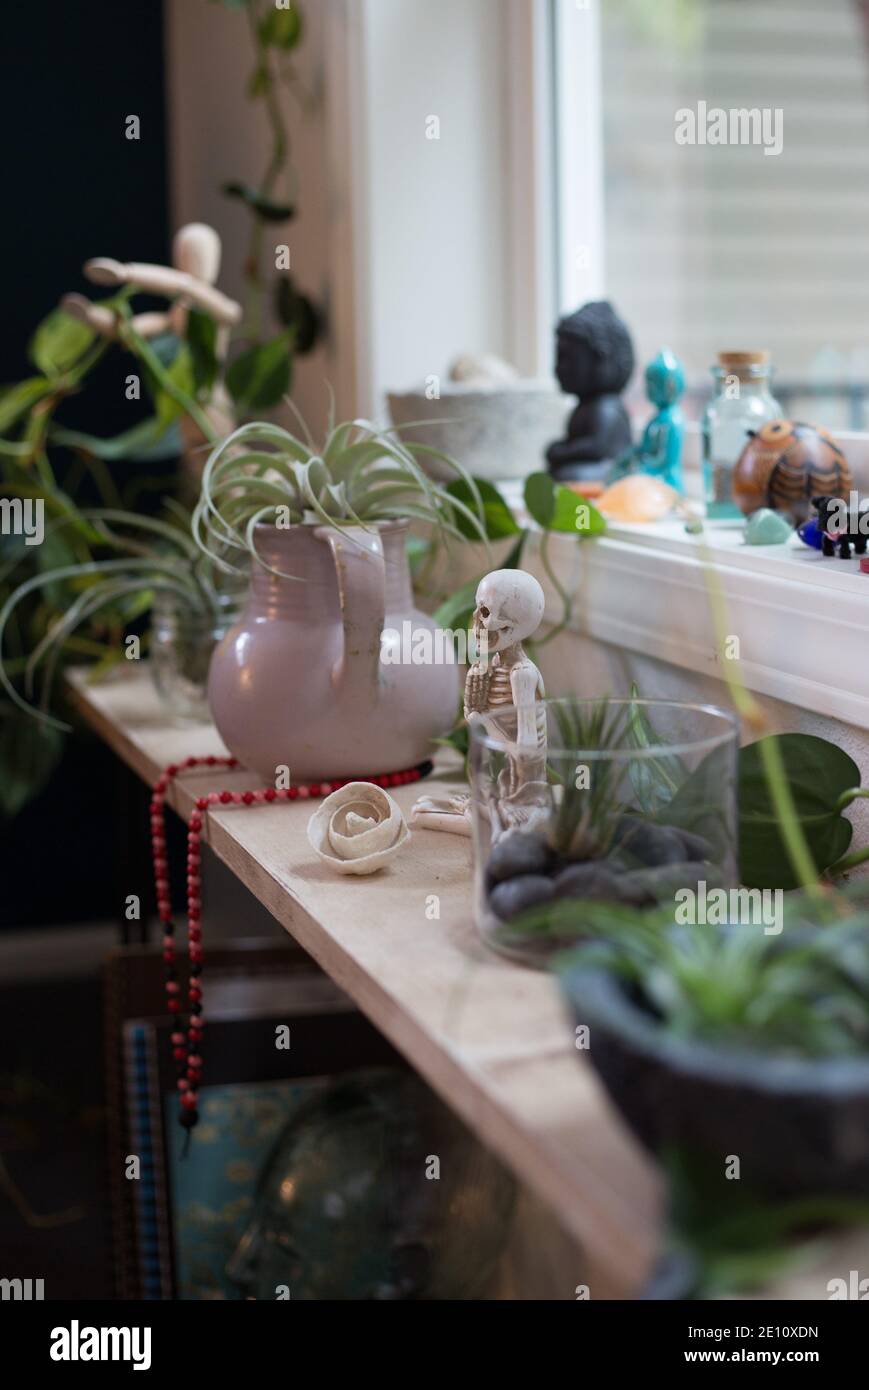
x,y
501,432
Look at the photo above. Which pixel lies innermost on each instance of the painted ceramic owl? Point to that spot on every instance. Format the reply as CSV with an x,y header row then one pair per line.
x,y
786,463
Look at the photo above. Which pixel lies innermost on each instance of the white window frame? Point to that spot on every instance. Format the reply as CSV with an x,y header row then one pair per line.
x,y
575,79
535,288
644,588
530,151
554,150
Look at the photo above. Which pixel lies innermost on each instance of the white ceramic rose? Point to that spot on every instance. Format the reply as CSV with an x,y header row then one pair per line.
x,y
357,829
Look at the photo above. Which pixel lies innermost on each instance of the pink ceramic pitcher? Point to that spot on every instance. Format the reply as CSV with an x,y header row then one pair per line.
x,y
299,681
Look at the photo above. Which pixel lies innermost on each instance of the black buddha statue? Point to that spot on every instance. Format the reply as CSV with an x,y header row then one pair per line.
x,y
594,361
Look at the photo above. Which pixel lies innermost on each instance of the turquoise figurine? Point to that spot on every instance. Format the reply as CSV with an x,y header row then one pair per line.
x,y
659,452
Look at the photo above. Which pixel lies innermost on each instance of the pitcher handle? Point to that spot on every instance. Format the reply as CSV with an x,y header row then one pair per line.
x,y
361,572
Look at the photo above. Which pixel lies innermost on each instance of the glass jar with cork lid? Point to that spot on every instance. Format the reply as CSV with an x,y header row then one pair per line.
x,y
742,402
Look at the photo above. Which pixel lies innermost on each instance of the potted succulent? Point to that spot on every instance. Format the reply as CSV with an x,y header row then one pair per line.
x,y
312,677
729,1042
744,1034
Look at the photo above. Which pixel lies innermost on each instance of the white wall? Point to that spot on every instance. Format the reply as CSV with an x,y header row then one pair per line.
x,y
437,209
412,242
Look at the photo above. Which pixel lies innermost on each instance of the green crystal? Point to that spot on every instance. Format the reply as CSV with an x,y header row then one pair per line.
x,y
766,527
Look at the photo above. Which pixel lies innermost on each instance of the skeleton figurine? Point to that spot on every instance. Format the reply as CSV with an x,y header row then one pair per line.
x,y
509,610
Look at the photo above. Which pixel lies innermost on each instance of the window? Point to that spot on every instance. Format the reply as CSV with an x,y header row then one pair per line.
x,y
710,245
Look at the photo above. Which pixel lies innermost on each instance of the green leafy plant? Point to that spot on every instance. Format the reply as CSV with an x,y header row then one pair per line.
x,y
553,509
731,1239
74,596
622,829
559,509
800,996
823,781
820,780
63,353
132,558
49,618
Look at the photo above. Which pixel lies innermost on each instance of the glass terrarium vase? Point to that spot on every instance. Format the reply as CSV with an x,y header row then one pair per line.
x,y
635,804
183,639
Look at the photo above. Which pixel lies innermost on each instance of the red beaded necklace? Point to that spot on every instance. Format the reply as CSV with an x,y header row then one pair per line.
x,y
186,1047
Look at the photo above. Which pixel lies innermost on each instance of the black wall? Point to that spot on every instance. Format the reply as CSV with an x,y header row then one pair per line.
x,y
73,187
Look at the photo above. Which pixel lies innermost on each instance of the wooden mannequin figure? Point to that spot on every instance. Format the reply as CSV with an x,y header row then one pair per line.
x,y
190,282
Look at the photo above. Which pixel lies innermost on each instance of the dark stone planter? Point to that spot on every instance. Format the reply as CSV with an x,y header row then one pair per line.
x,y
799,1127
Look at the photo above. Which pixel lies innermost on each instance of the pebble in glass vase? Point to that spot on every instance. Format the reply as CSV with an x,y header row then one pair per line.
x,y
743,402
640,816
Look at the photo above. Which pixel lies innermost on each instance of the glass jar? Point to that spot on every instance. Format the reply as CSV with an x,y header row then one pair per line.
x,y
183,639
742,402
632,803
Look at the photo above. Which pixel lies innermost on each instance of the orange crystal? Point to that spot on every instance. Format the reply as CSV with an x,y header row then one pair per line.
x,y
638,497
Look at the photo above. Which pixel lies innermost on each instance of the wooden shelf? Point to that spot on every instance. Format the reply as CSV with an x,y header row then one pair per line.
x,y
492,1038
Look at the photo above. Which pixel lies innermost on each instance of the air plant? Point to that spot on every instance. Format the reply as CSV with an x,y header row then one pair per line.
x,y
147,556
362,475
585,816
623,768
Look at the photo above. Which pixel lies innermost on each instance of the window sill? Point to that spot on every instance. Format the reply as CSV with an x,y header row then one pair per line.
x,y
800,619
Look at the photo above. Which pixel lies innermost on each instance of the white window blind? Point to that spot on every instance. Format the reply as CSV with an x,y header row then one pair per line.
x,y
720,246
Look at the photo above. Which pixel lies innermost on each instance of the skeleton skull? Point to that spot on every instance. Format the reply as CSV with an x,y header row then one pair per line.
x,y
509,609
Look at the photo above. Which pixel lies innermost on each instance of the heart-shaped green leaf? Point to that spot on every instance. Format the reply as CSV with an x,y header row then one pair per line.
x,y
296,311
818,773
498,519
202,341
260,377
180,372
282,28
455,612
265,208
59,342
148,441
557,508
